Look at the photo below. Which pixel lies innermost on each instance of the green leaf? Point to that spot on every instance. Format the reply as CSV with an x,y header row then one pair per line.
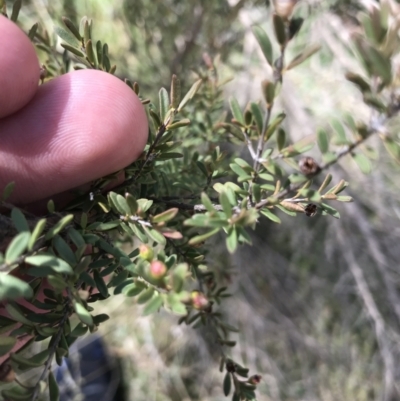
x,y
325,183
56,264
7,191
100,284
83,315
59,226
323,141
232,240
267,213
153,305
330,210
279,29
227,385
155,235
163,102
236,110
304,55
178,124
257,115
19,220
17,247
17,315
226,205
340,131
72,28
178,276
131,290
392,147
6,344
15,10
63,250
13,288
102,317
205,200
189,95
54,392
363,162
274,124
264,42
79,330
203,237
165,216
67,37
281,138
145,296
37,232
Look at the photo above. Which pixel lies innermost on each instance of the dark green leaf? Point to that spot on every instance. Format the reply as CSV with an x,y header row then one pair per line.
x,y
63,250
19,220
279,29
227,384
100,284
15,10
54,392
6,344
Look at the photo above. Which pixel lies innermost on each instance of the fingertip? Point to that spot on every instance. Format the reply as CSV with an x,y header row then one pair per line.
x,y
19,68
79,127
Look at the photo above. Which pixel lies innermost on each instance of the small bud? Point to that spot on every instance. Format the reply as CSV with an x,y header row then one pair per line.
x,y
268,89
157,269
199,300
146,252
284,8
7,374
308,166
310,210
255,379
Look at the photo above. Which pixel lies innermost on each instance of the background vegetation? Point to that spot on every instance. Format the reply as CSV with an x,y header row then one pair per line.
x,y
317,300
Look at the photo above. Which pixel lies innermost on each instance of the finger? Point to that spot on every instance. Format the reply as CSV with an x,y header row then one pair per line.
x,y
78,127
19,68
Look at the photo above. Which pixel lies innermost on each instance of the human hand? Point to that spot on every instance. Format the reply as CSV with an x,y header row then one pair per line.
x,y
76,128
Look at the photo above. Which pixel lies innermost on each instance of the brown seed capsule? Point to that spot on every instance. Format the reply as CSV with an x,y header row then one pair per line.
x,y
230,367
7,374
255,379
308,166
310,210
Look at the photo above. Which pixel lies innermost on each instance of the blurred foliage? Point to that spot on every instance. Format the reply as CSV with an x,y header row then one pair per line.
x,y
313,319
